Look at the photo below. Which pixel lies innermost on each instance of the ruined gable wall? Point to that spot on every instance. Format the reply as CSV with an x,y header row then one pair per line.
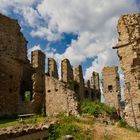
x,y
13,57
128,48
111,88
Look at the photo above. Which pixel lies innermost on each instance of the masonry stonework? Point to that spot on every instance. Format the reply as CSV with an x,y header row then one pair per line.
x,y
128,48
111,87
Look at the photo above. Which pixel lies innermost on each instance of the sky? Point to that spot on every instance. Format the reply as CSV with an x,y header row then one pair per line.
x,y
84,31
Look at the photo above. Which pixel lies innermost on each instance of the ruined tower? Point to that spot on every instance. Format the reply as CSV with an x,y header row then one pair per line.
x,y
94,84
52,68
128,48
13,57
79,82
111,86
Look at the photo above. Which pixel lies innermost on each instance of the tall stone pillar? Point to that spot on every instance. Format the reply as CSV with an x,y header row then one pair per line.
x,y
38,63
128,48
111,87
67,73
52,68
79,82
94,84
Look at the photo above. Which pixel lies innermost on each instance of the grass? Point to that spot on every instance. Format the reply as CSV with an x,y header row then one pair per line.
x,y
83,127
69,126
14,121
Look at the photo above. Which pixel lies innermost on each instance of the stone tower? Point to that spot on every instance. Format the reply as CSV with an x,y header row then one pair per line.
x,y
52,68
38,63
111,86
128,48
94,84
67,72
79,82
13,57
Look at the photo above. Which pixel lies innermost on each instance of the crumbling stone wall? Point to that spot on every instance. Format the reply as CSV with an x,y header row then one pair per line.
x,y
111,86
59,96
13,57
128,48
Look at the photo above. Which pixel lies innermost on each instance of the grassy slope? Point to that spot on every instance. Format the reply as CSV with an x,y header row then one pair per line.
x,y
82,128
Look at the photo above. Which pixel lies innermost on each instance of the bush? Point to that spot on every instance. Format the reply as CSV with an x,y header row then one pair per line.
x,y
67,125
96,108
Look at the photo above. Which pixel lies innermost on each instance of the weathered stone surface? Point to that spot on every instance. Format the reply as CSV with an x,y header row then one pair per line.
x,y
52,68
111,87
128,48
59,98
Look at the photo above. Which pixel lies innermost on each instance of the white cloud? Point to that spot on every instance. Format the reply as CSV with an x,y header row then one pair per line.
x,y
46,33
94,21
81,15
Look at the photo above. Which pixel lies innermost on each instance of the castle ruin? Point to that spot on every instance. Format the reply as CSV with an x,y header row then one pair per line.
x,y
128,48
19,77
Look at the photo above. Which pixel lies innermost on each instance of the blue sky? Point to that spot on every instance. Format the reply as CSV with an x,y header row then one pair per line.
x,y
82,31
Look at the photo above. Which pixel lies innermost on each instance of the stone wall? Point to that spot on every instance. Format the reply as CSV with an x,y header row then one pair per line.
x,y
59,98
111,87
128,48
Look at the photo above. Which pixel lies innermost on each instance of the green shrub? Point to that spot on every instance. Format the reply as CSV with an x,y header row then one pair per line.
x,y
96,108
